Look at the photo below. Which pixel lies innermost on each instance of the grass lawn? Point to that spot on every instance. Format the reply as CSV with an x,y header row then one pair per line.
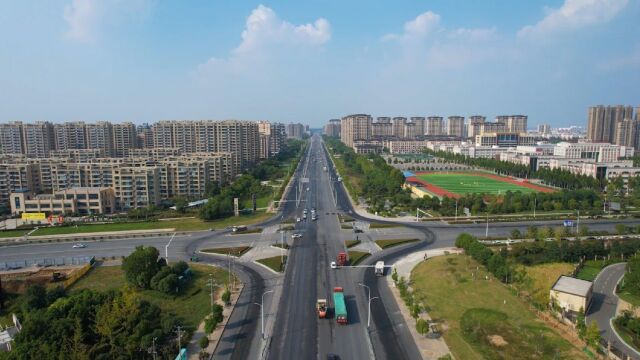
x,y
346,218
630,298
248,231
13,233
346,226
190,224
351,243
275,263
394,242
235,251
592,268
470,183
281,246
543,277
383,225
191,306
627,336
473,311
355,257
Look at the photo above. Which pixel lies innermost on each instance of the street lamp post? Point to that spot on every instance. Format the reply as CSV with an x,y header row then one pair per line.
x,y
369,303
262,311
486,233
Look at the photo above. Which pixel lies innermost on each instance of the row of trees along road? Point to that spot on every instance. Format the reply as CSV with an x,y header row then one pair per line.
x,y
585,200
378,181
244,187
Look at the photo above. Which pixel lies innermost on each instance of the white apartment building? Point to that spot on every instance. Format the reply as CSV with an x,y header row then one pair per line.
x,y
600,152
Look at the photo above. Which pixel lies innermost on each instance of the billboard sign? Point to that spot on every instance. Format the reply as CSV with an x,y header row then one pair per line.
x,y
568,223
33,216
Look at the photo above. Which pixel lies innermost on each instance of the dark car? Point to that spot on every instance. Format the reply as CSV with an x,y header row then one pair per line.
x,y
333,357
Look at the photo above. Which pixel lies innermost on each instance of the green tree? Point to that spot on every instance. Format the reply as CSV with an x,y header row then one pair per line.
x,y
35,298
621,229
226,296
203,342
592,336
141,265
515,234
584,230
422,326
181,204
169,284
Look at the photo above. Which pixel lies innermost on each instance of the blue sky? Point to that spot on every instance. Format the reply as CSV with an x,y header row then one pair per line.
x,y
308,61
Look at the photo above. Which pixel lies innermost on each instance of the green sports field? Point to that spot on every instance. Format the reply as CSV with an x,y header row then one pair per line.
x,y
461,184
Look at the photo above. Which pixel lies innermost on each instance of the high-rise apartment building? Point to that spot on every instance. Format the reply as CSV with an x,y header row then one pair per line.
x,y
544,129
474,127
513,123
419,121
70,135
272,138
626,133
384,129
11,138
100,136
124,139
434,126
332,128
602,122
163,134
242,139
383,120
136,186
455,126
410,130
398,126
38,139
295,131
355,127
144,136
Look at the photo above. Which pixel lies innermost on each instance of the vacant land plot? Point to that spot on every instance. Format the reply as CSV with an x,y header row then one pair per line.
x,y
480,316
543,277
191,306
460,183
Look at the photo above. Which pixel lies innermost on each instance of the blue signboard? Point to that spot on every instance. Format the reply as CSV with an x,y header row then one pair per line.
x,y
568,223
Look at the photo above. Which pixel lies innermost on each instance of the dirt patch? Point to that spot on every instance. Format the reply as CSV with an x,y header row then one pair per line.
x,y
497,340
17,281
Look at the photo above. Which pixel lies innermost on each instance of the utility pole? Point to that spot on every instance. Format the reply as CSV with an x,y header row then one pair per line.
x,y
153,348
456,210
578,225
229,281
535,205
211,289
179,332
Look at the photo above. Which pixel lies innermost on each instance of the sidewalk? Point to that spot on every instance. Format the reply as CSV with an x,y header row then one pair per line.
x,y
193,348
430,348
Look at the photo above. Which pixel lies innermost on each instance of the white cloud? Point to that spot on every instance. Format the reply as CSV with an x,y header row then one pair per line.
x,y
420,27
81,15
264,34
575,14
85,18
263,27
476,34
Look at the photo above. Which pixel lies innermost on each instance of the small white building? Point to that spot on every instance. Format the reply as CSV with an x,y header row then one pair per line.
x,y
571,295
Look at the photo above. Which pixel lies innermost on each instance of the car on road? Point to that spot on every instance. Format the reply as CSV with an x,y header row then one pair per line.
x,y
297,219
304,216
79,246
305,211
334,265
333,357
296,236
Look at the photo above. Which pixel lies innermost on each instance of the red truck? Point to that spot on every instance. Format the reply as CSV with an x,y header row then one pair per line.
x,y
342,259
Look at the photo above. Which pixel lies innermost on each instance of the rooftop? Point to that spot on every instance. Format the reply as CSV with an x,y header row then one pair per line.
x,y
572,286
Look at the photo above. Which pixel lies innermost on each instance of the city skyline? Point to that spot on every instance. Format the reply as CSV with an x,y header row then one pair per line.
x,y
288,62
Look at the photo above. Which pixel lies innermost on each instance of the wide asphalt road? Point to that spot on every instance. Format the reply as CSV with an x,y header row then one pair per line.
x,y
603,306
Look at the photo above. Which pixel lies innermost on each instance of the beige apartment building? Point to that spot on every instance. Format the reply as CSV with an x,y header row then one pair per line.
x,y
38,139
124,138
420,123
136,186
381,129
15,177
434,126
70,135
356,127
11,138
70,201
455,126
398,124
